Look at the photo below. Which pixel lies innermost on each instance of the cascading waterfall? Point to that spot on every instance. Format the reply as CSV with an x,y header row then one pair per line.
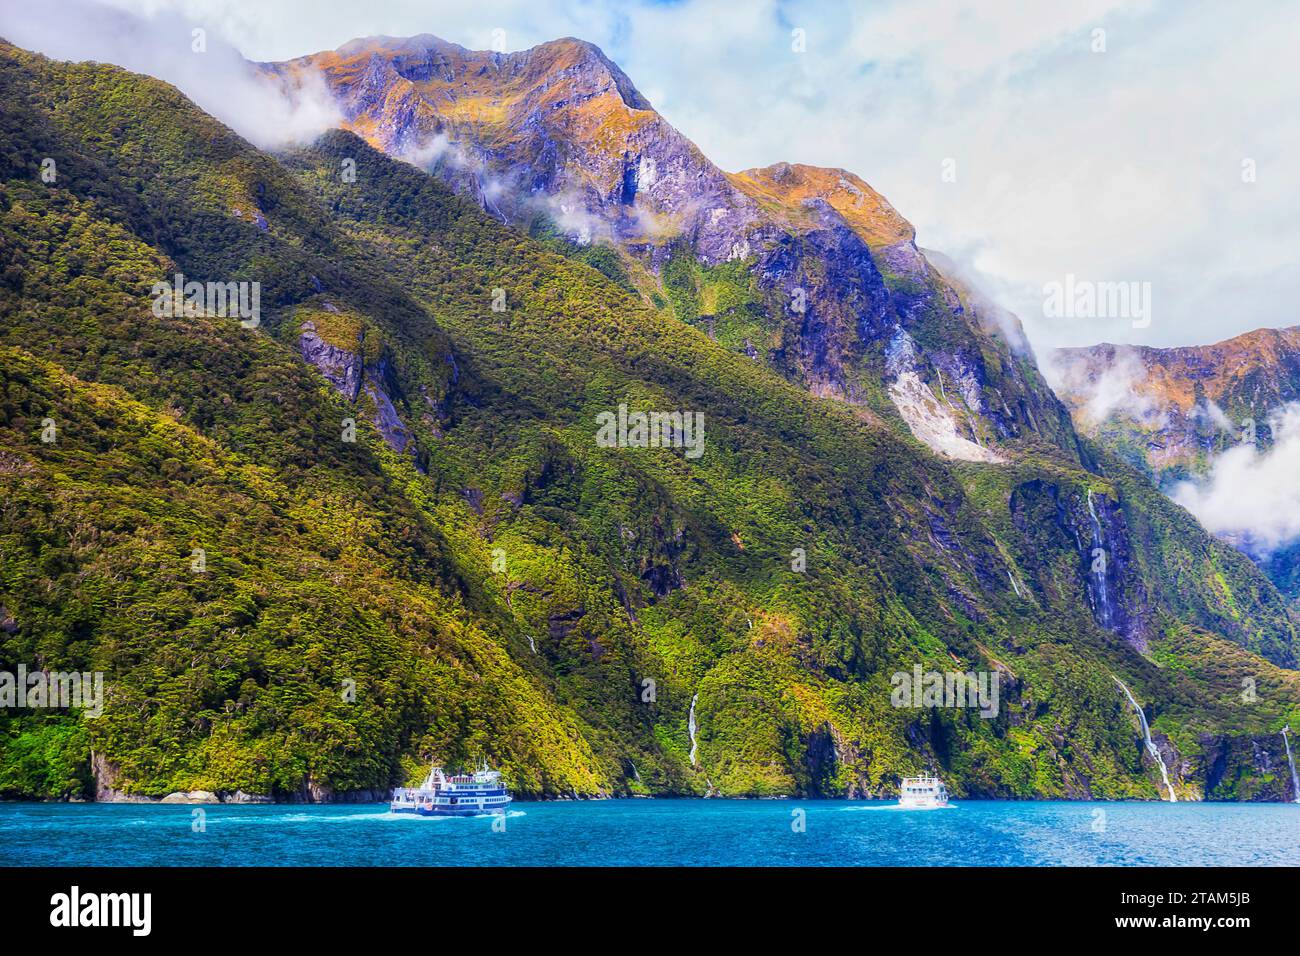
x,y
1295,781
1099,567
1146,735
690,728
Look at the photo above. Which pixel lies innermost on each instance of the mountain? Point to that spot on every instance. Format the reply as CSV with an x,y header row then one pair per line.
x,y
378,526
1180,406
807,270
1175,413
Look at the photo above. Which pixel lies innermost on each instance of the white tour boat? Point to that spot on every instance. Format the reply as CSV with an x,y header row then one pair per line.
x,y
453,795
922,793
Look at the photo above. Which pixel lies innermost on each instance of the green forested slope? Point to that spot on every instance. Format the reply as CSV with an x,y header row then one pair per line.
x,y
508,589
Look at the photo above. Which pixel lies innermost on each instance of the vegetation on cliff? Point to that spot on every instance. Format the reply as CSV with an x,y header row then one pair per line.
x,y
502,586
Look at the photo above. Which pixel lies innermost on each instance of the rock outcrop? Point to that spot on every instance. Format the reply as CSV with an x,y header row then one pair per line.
x,y
345,366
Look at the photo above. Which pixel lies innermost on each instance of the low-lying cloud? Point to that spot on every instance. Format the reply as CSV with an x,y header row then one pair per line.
x,y
1251,498
271,112
505,197
1113,389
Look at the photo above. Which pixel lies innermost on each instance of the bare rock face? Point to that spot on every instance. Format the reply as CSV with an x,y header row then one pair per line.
x,y
106,775
1245,768
314,791
942,425
1095,528
348,372
559,126
341,368
379,387
239,796
1183,402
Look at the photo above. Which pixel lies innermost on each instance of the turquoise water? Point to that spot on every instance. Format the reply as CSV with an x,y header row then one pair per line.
x,y
659,832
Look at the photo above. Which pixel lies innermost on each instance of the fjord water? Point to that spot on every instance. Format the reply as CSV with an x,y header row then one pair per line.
x,y
659,832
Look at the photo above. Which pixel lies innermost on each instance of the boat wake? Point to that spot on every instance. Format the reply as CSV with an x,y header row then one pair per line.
x,y
896,806
362,817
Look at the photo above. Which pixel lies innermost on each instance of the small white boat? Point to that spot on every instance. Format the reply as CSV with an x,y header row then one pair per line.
x,y
922,793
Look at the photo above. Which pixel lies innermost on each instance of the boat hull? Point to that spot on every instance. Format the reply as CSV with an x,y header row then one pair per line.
x,y
441,811
926,792
924,805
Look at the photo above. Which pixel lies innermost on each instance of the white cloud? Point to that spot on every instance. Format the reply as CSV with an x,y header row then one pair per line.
x,y
1114,388
1216,416
1117,166
161,43
1252,498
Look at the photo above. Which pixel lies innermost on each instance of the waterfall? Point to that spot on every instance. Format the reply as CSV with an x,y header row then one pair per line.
x,y
1099,541
690,729
1014,584
1295,781
974,432
1146,735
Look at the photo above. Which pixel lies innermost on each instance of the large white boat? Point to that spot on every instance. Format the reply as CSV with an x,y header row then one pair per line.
x,y
922,793
456,795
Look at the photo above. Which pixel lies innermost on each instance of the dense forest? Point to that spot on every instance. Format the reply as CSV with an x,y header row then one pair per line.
x,y
305,584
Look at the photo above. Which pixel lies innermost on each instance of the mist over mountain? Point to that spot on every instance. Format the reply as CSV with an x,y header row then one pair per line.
x,y
168,45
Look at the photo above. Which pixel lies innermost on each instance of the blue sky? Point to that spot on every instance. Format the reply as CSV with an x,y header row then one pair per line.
x,y
1111,156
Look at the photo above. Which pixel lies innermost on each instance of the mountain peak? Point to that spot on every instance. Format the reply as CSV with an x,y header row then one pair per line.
x,y
1167,397
428,59
427,99
797,186
571,53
